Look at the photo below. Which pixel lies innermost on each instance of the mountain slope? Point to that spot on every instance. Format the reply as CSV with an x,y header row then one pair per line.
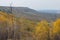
x,y
30,13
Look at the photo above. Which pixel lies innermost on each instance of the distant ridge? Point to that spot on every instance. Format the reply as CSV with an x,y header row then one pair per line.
x,y
30,14
50,11
21,9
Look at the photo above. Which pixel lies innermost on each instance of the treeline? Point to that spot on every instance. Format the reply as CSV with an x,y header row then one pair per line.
x,y
20,28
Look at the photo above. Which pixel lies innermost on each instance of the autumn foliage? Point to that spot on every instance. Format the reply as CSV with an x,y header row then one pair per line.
x,y
20,28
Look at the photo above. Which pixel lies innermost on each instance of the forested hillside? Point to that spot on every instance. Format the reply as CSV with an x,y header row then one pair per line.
x,y
22,23
29,13
20,28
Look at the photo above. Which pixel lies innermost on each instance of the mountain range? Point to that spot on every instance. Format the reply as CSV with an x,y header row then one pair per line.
x,y
31,14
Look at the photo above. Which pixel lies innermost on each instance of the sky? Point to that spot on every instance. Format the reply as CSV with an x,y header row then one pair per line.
x,y
33,4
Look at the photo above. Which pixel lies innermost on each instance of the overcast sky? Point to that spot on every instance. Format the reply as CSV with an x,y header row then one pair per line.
x,y
34,4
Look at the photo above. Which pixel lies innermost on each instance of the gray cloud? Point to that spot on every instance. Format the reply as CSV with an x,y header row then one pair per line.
x,y
34,4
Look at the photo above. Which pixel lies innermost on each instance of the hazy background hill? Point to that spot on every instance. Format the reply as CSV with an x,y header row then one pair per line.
x,y
49,11
31,14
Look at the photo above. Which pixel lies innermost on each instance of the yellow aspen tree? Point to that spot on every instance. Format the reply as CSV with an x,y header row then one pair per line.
x,y
42,31
56,29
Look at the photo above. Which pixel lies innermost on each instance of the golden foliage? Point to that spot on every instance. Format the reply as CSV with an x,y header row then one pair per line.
x,y
27,29
42,30
56,26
